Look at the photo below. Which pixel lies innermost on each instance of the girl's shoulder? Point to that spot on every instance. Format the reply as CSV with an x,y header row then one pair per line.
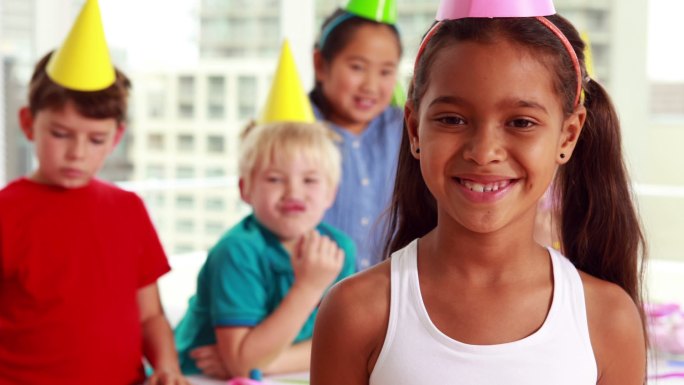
x,y
365,292
358,308
616,329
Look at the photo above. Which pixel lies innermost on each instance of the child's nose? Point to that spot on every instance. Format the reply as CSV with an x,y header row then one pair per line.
x,y
485,145
370,81
77,148
293,189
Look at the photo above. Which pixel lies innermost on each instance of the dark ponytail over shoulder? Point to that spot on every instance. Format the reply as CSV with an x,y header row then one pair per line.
x,y
600,230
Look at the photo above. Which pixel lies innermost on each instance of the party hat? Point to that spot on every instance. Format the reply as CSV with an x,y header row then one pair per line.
x,y
382,11
83,63
459,9
588,57
398,95
287,101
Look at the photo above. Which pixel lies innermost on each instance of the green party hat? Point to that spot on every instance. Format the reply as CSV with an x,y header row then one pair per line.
x,y
382,11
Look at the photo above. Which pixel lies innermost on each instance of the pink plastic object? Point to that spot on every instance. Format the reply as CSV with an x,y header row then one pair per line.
x,y
243,381
459,9
666,327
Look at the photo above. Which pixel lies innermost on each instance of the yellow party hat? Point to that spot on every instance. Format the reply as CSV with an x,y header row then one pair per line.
x,y
287,101
83,63
588,57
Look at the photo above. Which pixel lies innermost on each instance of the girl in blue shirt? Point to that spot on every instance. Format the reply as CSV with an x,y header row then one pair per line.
x,y
355,61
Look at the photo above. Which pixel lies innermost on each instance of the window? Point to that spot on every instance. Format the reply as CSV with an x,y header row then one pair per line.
x,y
186,88
213,228
216,111
214,204
185,225
215,144
183,248
186,97
216,89
185,202
186,143
215,172
185,172
155,142
247,94
186,111
154,171
155,104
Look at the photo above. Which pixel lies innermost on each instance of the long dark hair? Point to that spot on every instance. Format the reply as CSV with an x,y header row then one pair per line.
x,y
335,41
600,230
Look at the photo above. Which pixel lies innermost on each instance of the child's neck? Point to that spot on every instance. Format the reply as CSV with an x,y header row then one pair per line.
x,y
356,129
495,255
289,245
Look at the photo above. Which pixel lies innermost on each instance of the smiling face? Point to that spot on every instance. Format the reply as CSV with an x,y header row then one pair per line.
x,y
70,148
359,80
491,131
289,196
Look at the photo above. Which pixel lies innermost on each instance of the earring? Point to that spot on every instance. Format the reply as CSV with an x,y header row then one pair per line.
x,y
417,150
562,155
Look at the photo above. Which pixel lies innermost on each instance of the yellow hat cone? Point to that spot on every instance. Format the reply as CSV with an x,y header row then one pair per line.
x,y
83,62
588,57
287,101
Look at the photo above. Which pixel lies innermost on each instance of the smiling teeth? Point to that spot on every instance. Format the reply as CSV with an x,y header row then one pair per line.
x,y
477,187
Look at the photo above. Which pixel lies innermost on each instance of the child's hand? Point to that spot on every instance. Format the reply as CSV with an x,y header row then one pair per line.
x,y
208,360
167,377
317,261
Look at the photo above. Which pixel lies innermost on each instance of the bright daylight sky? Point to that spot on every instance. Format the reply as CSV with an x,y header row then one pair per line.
x,y
174,29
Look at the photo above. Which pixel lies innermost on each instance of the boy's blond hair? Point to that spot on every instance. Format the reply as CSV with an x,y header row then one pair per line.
x,y
316,142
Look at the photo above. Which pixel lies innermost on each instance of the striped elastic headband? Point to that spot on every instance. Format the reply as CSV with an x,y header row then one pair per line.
x,y
548,24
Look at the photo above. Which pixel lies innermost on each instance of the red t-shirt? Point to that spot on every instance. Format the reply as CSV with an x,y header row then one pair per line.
x,y
71,262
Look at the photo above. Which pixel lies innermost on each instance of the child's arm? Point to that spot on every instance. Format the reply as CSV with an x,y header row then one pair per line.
x,y
268,346
158,345
616,333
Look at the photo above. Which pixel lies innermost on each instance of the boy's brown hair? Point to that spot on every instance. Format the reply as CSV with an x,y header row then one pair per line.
x,y
111,102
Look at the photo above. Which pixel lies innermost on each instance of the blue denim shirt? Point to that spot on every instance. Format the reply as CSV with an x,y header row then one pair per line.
x,y
369,162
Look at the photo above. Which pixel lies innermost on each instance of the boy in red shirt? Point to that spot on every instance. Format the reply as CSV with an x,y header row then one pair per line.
x,y
79,258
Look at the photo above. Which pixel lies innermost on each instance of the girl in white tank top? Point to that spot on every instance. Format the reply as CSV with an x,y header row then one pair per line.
x,y
500,106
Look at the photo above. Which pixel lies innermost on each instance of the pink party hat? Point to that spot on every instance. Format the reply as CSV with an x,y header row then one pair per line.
x,y
460,9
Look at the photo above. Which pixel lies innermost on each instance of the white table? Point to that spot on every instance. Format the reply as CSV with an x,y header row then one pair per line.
x,y
285,379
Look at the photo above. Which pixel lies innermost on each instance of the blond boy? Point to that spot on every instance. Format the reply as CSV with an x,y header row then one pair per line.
x,y
259,289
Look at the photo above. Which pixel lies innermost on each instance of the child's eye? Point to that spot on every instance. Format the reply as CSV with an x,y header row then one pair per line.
x,y
387,72
59,134
97,140
311,180
273,179
356,67
451,120
521,123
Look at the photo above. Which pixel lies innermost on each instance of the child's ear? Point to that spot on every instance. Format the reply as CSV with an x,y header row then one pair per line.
x,y
572,128
120,131
411,119
26,122
332,196
319,65
244,194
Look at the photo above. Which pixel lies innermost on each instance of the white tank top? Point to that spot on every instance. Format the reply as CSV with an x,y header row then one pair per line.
x,y
416,352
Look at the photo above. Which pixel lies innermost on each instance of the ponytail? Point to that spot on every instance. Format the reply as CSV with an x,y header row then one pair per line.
x,y
413,210
600,230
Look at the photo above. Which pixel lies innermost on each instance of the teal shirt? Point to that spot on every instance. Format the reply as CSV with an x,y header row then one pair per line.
x,y
244,279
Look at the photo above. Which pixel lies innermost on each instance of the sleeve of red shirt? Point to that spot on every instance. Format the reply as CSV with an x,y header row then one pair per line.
x,y
152,260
